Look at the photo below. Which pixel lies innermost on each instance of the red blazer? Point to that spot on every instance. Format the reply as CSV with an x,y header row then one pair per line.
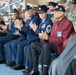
x,y
59,33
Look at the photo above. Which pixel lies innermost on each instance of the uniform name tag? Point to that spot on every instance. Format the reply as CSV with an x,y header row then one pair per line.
x,y
59,34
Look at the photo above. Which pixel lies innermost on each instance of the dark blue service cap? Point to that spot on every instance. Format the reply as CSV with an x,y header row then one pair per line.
x,y
52,4
59,8
74,1
15,11
27,8
42,8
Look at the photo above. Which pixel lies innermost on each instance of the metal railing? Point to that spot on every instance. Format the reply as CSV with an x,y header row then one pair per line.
x,y
9,4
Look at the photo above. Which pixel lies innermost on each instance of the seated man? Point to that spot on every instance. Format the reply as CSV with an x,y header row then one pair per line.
x,y
40,53
14,49
51,6
59,65
9,35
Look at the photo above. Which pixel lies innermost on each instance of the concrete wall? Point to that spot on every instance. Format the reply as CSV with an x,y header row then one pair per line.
x,y
31,1
40,1
45,1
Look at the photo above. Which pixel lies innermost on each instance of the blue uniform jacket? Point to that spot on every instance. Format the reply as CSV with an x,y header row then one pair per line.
x,y
13,29
26,30
44,26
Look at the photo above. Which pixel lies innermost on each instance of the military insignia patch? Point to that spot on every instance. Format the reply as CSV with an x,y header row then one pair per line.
x,y
48,29
60,8
39,8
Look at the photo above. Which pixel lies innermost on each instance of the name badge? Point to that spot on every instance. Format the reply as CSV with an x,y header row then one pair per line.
x,y
59,34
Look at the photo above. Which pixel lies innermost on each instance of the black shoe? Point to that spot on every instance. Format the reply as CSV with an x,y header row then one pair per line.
x,y
32,73
26,71
2,61
10,64
44,74
18,67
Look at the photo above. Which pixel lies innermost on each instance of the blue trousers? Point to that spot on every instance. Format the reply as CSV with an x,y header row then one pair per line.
x,y
3,40
9,51
20,52
27,62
